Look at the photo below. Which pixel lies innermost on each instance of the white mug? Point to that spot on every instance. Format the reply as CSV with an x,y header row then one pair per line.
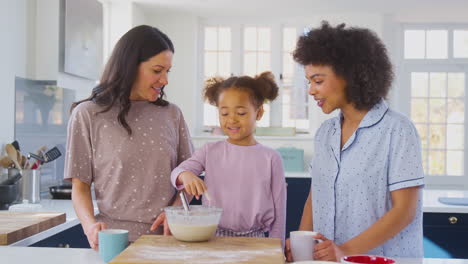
x,y
302,245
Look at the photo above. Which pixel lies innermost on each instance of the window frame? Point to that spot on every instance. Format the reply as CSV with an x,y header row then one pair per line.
x,y
237,40
450,64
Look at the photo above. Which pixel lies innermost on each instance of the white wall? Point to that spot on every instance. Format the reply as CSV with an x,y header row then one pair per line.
x,y
182,89
119,21
47,40
13,54
138,15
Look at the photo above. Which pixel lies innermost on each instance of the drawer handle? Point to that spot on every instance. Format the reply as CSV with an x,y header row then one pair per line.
x,y
453,220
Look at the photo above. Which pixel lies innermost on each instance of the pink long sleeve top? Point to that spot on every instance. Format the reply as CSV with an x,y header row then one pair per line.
x,y
246,181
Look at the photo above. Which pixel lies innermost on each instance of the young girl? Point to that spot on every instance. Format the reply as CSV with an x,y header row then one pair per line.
x,y
243,177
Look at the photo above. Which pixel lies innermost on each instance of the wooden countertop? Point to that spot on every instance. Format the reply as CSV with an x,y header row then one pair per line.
x,y
166,249
15,226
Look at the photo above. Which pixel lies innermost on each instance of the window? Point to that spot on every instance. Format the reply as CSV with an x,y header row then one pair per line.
x,y
434,60
460,43
253,49
437,109
257,59
294,86
217,58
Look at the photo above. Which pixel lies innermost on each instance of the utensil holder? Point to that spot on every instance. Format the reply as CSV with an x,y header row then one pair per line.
x,y
31,186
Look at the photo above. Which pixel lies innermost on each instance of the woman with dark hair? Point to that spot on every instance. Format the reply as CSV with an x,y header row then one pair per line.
x,y
366,173
126,139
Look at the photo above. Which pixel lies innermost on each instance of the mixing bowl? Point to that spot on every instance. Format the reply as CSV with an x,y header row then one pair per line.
x,y
198,224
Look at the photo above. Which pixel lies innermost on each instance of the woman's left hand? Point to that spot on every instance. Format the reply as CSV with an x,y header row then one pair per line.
x,y
327,250
161,220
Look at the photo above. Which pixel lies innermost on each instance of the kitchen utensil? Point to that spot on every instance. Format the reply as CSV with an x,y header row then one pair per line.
x,y
49,156
8,194
16,145
198,224
35,156
12,153
11,180
18,158
52,154
6,162
35,165
39,157
61,192
184,201
23,162
31,185
226,250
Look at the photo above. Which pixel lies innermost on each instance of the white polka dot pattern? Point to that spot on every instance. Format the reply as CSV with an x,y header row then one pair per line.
x,y
123,167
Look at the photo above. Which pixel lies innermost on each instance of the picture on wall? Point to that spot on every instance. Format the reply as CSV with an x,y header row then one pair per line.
x,y
83,38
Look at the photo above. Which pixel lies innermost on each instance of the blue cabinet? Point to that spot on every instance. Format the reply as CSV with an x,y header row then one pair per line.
x,y
298,191
445,235
73,237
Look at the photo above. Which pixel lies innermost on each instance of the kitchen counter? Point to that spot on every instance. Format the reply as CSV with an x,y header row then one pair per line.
x,y
17,255
48,205
431,204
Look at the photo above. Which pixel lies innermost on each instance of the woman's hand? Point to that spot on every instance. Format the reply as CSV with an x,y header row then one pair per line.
x,y
193,184
287,250
327,250
161,220
91,233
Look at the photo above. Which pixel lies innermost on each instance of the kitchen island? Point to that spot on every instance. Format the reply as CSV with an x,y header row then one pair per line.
x,y
49,205
20,255
431,205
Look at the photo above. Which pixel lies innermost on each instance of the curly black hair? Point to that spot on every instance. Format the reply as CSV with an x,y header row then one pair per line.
x,y
355,54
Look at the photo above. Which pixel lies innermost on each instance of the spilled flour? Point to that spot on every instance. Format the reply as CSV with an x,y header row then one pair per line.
x,y
187,255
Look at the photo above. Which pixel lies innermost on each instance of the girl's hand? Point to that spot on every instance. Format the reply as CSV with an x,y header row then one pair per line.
x,y
193,184
91,233
327,250
161,220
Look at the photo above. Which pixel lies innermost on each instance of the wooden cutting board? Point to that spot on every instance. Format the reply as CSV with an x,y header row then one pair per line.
x,y
166,249
15,226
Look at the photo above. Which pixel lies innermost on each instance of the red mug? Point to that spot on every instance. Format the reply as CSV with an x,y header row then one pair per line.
x,y
367,259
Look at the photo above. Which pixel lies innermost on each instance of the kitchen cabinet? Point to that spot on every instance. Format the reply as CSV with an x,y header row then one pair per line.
x,y
298,190
73,237
447,233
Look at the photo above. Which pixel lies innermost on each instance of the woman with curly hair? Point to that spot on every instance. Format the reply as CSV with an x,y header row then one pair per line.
x,y
366,173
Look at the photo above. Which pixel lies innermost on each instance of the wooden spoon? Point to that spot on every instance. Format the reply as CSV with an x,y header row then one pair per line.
x,y
6,162
23,162
12,153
